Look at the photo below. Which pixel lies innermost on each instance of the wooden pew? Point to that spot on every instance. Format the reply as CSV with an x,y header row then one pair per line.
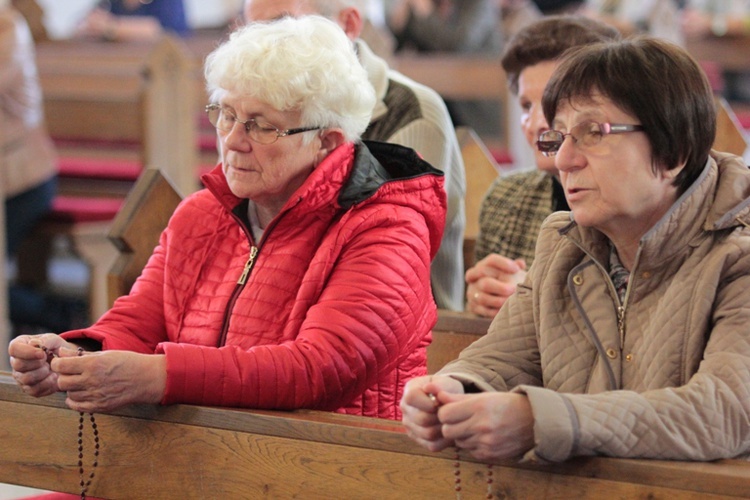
x,y
132,100
136,229
109,105
185,452
481,170
453,332
729,52
730,136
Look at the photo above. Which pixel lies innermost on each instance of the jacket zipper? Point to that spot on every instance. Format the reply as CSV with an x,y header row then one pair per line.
x,y
246,270
240,285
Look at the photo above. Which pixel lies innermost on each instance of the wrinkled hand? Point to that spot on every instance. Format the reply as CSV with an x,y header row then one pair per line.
x,y
100,382
30,365
489,425
490,282
419,405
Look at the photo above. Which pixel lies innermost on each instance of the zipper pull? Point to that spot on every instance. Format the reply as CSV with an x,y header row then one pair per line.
x,y
248,266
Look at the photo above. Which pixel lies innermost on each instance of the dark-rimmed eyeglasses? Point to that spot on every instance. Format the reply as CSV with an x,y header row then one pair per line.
x,y
587,134
224,120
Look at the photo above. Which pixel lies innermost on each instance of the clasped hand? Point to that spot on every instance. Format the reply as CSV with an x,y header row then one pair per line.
x,y
94,382
490,282
489,425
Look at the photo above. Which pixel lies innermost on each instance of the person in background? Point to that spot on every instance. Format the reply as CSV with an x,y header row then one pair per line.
x,y
659,18
134,20
516,205
299,278
29,172
628,337
466,27
406,113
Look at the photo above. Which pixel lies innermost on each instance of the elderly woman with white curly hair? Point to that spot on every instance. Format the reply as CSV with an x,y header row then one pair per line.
x,y
299,278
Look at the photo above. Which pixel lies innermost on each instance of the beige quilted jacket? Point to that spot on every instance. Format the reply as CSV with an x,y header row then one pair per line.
x,y
674,381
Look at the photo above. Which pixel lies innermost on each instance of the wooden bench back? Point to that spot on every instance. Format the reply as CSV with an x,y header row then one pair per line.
x,y
453,332
136,94
730,136
481,171
185,452
136,229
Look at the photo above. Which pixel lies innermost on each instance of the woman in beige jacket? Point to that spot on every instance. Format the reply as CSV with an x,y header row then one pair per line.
x,y
27,160
630,336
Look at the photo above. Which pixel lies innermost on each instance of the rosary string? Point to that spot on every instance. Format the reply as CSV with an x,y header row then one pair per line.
x,y
489,474
84,483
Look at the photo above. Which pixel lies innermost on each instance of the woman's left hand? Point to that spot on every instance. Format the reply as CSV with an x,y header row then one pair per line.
x,y
100,382
489,425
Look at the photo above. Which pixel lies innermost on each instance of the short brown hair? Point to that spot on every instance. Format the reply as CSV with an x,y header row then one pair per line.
x,y
653,80
548,39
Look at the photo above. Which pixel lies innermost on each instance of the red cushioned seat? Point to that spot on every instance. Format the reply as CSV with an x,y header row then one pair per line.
x,y
81,209
744,118
207,142
502,156
99,168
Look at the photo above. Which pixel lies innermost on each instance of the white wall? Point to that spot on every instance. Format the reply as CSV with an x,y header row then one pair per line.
x,y
211,13
62,16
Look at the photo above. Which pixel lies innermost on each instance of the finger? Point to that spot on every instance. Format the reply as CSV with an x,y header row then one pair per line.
x,y
485,312
499,264
456,408
71,383
28,364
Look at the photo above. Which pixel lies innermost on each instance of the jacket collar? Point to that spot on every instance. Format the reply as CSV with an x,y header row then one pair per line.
x,y
349,175
719,199
377,163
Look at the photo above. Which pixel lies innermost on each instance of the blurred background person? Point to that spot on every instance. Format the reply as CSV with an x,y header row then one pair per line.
x,y
406,113
660,18
516,205
29,173
471,27
124,20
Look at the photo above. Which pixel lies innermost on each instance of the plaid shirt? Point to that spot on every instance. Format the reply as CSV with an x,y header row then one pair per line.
x,y
512,214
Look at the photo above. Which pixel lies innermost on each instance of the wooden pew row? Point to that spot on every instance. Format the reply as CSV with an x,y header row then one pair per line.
x,y
123,100
185,452
453,332
729,52
113,109
461,77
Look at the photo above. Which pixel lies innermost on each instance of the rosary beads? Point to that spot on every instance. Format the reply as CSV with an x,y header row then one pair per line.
x,y
457,465
84,482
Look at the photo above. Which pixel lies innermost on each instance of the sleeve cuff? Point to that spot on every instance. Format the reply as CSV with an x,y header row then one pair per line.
x,y
555,424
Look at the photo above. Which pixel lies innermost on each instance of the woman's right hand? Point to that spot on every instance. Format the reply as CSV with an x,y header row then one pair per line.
x,y
419,404
490,282
30,362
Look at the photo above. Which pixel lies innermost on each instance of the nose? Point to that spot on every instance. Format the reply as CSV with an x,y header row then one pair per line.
x,y
236,138
569,157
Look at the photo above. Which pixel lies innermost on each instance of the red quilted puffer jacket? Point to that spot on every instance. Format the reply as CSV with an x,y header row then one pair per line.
x,y
331,310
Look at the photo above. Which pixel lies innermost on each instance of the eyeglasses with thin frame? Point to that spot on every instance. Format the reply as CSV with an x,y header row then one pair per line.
x,y
224,120
588,134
